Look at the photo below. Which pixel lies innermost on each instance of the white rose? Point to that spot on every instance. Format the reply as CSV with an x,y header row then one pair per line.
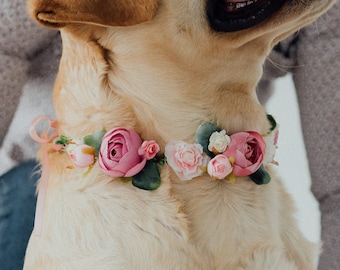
x,y
218,142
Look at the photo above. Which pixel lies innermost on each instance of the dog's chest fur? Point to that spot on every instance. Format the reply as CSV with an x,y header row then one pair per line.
x,y
182,225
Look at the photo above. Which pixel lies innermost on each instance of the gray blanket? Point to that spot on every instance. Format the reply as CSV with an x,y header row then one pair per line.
x,y
29,58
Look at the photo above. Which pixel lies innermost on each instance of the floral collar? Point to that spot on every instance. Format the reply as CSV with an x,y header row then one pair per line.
x,y
120,152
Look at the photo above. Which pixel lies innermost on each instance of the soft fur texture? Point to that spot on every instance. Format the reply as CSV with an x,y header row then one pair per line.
x,y
163,74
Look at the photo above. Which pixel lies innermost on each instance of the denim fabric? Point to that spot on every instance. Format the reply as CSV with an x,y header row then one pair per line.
x,y
17,207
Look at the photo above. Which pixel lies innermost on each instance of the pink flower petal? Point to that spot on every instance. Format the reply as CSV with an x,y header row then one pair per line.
x,y
247,149
185,159
118,155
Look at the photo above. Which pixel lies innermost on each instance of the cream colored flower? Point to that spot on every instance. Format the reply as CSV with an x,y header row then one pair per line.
x,y
218,142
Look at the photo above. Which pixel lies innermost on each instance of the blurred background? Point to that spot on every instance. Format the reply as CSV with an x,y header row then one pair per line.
x,y
291,155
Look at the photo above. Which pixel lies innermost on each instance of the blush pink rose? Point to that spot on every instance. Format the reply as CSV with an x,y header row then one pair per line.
x,y
219,167
185,159
82,156
247,149
118,156
149,149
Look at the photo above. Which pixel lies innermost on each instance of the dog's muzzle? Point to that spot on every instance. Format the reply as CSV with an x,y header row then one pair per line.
x,y
235,15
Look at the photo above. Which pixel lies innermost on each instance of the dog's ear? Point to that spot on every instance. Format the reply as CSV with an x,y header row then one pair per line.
x,y
59,13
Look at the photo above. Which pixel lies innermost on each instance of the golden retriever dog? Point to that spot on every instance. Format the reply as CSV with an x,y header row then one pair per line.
x,y
156,77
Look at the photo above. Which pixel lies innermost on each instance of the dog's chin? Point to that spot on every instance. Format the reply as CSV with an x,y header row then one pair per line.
x,y
235,15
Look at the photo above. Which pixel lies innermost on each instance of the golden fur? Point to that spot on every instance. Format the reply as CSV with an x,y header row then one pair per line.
x,y
157,67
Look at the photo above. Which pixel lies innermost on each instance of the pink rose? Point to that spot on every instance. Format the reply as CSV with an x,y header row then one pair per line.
x,y
118,156
185,159
82,156
219,167
247,149
149,149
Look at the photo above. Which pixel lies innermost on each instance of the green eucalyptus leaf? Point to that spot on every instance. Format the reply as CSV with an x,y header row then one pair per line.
x,y
203,134
149,178
272,122
261,176
95,140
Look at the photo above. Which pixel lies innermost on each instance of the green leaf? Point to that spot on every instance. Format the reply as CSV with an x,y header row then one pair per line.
x,y
149,178
203,134
95,140
261,176
62,140
272,122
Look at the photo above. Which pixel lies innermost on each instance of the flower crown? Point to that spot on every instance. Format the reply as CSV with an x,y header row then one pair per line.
x,y
120,152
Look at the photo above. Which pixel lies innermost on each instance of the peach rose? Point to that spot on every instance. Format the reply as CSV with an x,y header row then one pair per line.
x,y
185,159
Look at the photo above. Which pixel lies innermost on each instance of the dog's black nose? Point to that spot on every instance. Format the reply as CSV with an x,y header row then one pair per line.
x,y
235,15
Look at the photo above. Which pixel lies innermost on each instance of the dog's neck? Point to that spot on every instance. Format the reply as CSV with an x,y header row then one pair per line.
x,y
152,88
